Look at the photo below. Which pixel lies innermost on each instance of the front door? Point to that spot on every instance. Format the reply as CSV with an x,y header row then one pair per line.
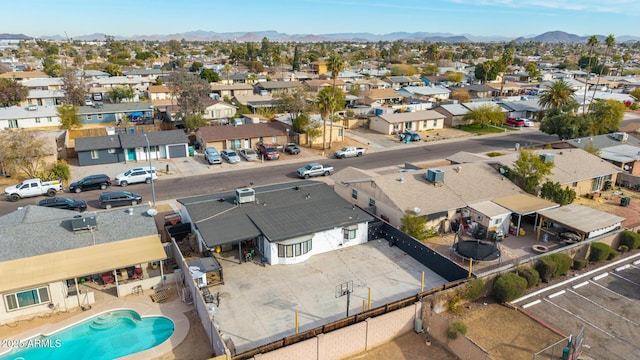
x,y
247,143
131,154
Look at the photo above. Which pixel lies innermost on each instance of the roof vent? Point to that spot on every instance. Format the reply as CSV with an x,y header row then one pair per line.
x,y
85,221
434,175
245,195
547,158
32,107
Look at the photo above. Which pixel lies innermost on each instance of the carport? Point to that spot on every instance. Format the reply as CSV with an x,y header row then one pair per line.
x,y
586,221
524,204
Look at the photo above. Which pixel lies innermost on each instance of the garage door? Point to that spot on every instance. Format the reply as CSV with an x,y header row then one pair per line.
x,y
177,151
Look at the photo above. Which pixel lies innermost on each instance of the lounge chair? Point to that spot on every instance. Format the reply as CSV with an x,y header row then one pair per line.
x,y
107,278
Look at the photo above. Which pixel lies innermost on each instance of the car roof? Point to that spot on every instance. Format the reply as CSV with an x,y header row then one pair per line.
x,y
118,193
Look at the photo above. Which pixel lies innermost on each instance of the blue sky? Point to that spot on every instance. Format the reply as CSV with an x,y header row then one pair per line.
x,y
510,18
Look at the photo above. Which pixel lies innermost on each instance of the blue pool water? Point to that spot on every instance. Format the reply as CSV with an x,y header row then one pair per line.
x,y
107,336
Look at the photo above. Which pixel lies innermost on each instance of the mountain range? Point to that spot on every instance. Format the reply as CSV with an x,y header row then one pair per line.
x,y
201,35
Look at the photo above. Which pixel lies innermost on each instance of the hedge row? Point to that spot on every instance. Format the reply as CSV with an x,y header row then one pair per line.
x,y
509,286
601,251
532,276
553,265
630,239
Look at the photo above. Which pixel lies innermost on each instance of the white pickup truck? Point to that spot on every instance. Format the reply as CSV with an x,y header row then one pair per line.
x,y
349,151
315,169
32,187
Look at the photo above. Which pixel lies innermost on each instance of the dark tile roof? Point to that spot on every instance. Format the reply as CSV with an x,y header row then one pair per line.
x,y
281,212
278,84
97,143
213,133
115,108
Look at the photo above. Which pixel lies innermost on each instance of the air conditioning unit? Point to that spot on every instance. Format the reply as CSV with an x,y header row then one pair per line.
x,y
245,195
434,175
547,158
32,107
85,221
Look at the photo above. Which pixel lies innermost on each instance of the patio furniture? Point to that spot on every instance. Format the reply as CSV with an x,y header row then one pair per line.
x,y
160,295
137,273
137,290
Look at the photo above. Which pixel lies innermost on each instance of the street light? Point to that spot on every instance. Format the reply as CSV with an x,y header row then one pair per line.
x,y
153,190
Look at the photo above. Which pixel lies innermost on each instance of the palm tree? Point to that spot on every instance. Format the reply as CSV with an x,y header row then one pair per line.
x,y
592,43
557,96
335,64
227,70
325,102
610,42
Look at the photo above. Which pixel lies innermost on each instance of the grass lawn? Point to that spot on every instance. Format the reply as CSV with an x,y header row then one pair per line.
x,y
481,130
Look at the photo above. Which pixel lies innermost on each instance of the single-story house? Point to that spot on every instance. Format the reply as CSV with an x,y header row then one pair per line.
x,y
574,168
126,147
315,85
245,136
335,131
453,114
527,108
439,93
113,113
31,116
44,83
396,82
254,102
478,90
230,91
617,148
159,92
48,254
275,87
382,95
218,111
415,121
284,223
437,194
22,76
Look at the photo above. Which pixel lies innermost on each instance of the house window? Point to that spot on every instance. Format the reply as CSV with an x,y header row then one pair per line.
x,y
350,232
339,132
354,194
407,125
26,298
235,144
575,184
435,123
94,154
372,202
37,120
111,151
99,116
13,124
89,117
274,139
292,250
49,119
396,127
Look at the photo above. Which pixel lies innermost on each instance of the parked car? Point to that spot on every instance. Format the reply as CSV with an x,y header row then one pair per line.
x,y
527,122
268,152
31,188
230,155
64,203
118,198
212,156
137,175
513,121
91,182
413,136
249,154
292,149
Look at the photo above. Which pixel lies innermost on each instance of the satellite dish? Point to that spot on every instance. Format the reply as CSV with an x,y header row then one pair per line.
x,y
417,210
502,171
627,167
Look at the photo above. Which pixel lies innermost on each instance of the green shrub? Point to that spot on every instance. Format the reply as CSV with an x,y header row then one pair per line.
x,y
599,252
612,254
630,239
509,287
623,249
563,261
546,267
532,276
475,289
455,328
494,154
453,304
579,264
60,170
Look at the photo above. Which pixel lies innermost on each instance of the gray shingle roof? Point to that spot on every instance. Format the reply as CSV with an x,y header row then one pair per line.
x,y
97,143
126,141
280,212
36,230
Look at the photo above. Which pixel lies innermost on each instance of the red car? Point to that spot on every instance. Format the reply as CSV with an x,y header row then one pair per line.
x,y
513,121
269,152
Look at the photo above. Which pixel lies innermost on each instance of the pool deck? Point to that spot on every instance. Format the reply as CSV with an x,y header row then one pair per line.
x,y
142,304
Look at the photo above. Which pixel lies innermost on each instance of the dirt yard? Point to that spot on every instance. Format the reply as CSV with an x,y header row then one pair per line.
x,y
609,201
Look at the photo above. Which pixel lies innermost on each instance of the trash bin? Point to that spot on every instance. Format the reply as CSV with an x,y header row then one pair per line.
x,y
407,139
625,201
192,151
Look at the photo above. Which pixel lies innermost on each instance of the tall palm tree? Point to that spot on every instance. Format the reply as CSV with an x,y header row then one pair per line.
x,y
610,41
557,96
591,43
335,64
325,103
227,70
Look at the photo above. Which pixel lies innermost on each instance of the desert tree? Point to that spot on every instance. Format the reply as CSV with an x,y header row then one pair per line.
x,y
69,117
12,93
74,88
485,115
529,170
189,91
119,93
22,151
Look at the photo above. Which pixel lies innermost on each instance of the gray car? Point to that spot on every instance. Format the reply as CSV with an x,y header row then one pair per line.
x,y
230,155
249,155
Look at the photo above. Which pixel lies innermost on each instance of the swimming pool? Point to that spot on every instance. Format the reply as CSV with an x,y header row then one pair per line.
x,y
103,337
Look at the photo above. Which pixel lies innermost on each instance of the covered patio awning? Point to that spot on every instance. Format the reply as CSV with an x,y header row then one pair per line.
x,y
73,263
583,219
524,204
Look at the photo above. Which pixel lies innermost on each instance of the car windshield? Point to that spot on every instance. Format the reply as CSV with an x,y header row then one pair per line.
x,y
68,201
127,173
232,153
308,167
250,152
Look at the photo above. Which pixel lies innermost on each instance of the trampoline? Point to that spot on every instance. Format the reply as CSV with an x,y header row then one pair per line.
x,y
477,250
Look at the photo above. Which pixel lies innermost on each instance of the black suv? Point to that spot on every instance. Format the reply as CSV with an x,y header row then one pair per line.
x,y
64,203
90,182
118,198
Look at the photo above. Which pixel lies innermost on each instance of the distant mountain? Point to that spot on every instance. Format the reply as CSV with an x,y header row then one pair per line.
x,y
256,36
13,37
